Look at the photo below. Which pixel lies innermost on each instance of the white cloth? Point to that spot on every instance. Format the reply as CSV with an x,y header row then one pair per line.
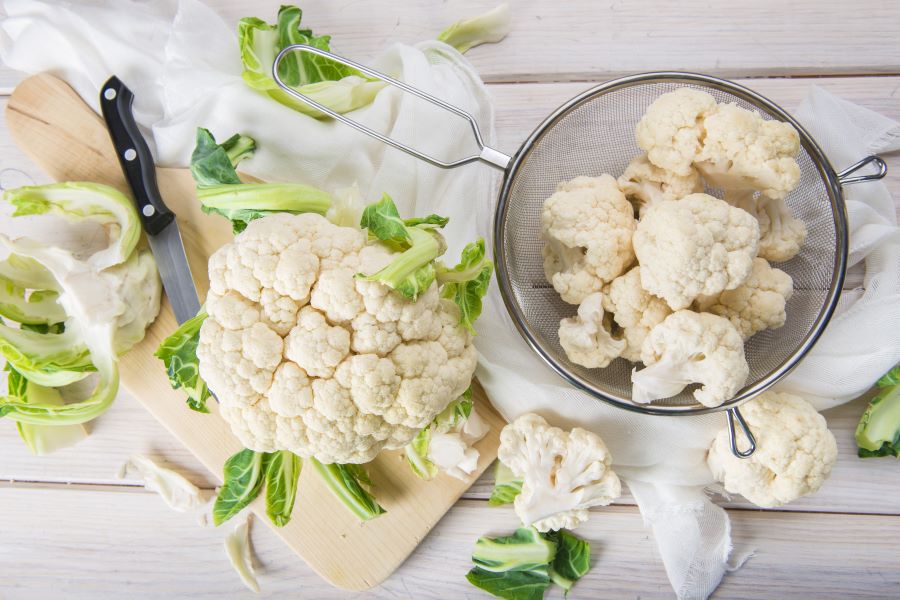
x,y
183,80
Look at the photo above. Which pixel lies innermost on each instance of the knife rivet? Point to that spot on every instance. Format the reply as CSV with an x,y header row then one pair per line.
x,y
130,154
109,93
148,210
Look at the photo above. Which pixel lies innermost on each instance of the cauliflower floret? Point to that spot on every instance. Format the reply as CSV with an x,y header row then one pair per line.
x,y
780,234
671,131
697,245
755,305
687,348
743,151
564,473
316,346
645,184
635,310
794,455
586,226
586,337
305,358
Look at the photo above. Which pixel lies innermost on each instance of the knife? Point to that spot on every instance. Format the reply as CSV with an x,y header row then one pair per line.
x,y
158,221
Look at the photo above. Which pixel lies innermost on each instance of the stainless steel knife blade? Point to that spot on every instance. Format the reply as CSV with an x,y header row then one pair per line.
x,y
175,272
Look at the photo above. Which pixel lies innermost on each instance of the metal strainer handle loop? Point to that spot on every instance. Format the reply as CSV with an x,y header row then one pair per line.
x,y
844,176
734,413
493,157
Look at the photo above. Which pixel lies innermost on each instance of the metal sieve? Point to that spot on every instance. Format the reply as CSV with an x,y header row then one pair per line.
x,y
592,134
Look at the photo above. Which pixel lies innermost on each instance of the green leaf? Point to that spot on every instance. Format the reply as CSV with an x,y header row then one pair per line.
x,y
878,431
417,455
430,221
572,560
506,486
383,222
524,550
41,439
488,28
40,307
243,480
449,418
179,355
301,68
346,483
27,273
214,164
467,283
412,271
248,201
512,585
48,359
282,474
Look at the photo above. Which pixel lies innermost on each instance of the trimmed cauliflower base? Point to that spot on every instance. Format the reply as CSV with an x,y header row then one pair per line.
x,y
635,310
586,227
697,245
564,472
755,305
303,357
794,455
687,348
586,337
645,184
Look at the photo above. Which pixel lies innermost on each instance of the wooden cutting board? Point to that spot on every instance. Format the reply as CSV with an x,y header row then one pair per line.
x,y
59,132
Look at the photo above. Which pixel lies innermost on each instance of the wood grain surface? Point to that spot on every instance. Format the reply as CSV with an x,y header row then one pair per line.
x,y
79,529
67,139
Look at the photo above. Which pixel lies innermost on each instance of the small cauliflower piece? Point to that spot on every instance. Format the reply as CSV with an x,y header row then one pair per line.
x,y
687,348
635,310
564,472
586,226
316,346
743,151
794,455
693,246
671,132
586,337
755,305
781,235
645,184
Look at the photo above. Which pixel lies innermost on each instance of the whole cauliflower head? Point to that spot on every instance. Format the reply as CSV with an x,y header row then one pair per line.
x,y
586,337
586,226
672,129
781,235
686,348
635,310
743,151
755,305
645,184
794,455
303,357
564,473
698,245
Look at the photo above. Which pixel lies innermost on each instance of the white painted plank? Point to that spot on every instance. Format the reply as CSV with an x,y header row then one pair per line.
x,y
130,545
583,40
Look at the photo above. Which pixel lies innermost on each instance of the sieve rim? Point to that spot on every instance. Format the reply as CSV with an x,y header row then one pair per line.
x,y
820,161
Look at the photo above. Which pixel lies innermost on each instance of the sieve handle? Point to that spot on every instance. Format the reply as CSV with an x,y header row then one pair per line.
x,y
734,413
844,176
489,155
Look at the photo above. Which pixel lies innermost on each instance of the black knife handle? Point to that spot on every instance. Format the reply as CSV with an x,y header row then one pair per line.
x,y
134,155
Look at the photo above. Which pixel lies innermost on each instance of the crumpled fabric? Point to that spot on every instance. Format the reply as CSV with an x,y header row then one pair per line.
x,y
182,80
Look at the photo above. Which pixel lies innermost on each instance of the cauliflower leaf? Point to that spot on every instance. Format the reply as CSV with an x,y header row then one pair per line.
x,y
878,432
467,282
179,354
41,439
488,28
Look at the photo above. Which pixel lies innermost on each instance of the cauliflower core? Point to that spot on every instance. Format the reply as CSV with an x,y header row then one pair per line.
x,y
794,455
586,338
586,227
564,472
687,348
755,305
303,357
697,245
635,310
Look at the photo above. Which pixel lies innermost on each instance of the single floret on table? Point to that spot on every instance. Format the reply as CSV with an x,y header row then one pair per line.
x,y
586,226
794,455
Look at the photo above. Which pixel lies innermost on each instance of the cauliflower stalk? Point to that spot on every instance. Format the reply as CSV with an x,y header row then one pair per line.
x,y
586,227
795,452
564,473
686,348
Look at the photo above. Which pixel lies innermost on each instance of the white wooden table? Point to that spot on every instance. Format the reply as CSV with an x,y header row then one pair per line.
x,y
70,528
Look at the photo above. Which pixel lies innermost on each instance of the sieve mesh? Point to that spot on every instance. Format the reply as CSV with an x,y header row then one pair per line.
x,y
594,134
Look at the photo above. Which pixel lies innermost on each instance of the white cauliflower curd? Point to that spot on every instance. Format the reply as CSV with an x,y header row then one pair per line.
x,y
781,235
693,246
645,184
564,473
586,337
586,227
686,348
794,455
671,131
635,310
304,356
